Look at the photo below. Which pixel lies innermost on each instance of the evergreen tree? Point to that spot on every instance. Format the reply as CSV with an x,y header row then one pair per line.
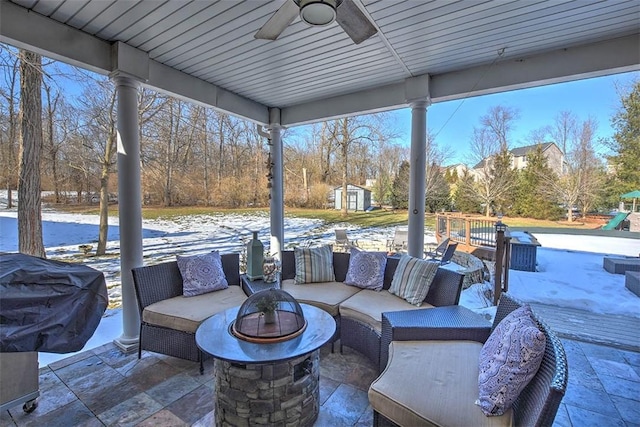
x,y
437,197
503,178
454,177
400,190
626,143
532,198
447,175
464,198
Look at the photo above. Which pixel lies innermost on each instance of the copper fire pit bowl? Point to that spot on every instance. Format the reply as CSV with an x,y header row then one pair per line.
x,y
269,316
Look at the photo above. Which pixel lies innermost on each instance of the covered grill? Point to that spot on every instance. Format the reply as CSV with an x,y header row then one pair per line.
x,y
48,306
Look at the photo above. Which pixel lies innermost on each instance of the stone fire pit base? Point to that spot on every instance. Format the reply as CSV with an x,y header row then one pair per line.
x,y
285,393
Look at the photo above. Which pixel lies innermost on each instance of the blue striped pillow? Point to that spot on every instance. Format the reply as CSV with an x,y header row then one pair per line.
x,y
314,265
412,279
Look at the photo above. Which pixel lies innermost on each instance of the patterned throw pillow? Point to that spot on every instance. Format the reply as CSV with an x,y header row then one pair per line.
x,y
314,265
201,273
412,279
508,360
366,269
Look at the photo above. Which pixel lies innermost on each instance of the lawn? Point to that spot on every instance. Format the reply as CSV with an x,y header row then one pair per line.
x,y
375,218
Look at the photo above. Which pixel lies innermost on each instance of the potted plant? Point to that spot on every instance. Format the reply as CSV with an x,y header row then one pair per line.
x,y
267,305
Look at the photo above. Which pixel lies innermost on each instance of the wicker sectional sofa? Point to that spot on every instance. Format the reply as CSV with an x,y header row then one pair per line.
x,y
168,320
358,312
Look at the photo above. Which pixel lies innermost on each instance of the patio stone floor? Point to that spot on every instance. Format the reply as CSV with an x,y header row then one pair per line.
x,y
104,387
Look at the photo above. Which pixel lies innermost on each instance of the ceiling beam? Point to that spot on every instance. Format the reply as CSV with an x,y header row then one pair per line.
x,y
574,63
28,30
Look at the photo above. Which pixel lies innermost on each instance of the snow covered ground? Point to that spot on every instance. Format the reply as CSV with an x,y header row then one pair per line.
x,y
570,272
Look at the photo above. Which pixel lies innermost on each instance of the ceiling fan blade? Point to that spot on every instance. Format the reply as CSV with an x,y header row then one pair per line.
x,y
280,20
354,22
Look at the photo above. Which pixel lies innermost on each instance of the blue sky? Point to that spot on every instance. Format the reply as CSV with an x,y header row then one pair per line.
x,y
596,97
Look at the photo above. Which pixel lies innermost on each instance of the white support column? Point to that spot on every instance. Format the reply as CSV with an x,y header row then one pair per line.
x,y
417,178
129,206
276,206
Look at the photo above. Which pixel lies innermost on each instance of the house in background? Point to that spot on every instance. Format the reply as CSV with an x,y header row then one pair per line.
x,y
460,169
553,154
358,198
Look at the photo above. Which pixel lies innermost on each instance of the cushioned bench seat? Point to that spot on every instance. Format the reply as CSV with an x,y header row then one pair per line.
x,y
325,295
432,383
187,313
367,307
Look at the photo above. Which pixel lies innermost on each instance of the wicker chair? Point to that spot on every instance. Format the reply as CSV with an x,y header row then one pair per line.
x,y
538,403
163,281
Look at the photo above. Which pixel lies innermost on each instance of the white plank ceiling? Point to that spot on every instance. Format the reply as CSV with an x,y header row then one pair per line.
x,y
213,41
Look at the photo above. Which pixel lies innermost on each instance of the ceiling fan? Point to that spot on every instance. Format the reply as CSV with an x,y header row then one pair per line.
x,y
319,13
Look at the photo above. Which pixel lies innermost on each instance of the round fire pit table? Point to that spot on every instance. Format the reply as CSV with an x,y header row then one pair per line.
x,y
266,384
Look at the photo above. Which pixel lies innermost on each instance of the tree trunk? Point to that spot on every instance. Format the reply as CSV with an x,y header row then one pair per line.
x,y
13,125
29,209
103,230
105,168
220,149
53,150
345,165
168,179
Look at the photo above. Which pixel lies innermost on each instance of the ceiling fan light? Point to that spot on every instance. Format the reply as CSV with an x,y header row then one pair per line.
x,y
318,12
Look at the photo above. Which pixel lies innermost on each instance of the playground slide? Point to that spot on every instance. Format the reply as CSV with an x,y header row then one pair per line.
x,y
615,221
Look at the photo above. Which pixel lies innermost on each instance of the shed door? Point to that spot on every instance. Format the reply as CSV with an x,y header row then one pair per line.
x,y
352,200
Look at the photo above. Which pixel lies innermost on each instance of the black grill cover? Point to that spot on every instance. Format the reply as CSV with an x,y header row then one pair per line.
x,y
48,306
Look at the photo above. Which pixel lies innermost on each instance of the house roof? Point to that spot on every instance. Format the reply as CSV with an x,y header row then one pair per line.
x,y
523,151
205,51
352,186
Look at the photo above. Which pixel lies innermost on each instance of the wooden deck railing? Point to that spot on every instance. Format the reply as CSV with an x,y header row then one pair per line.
x,y
485,238
472,232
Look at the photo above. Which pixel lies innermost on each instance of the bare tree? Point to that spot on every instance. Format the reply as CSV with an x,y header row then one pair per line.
x,y
52,144
582,180
585,160
346,133
498,122
387,159
494,178
564,130
436,187
29,206
9,145
99,109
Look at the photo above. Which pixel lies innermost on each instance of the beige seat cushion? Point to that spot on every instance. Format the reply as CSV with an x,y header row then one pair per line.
x,y
186,313
367,306
432,383
326,295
